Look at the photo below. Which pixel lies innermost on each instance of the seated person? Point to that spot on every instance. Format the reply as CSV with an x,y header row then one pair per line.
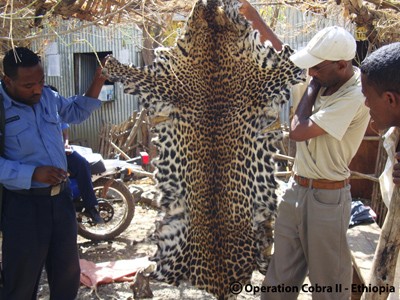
x,y
79,168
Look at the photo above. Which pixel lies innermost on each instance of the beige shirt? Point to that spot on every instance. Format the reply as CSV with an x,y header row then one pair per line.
x,y
345,118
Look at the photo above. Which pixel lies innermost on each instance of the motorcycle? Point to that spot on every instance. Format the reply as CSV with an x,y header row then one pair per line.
x,y
116,203
138,166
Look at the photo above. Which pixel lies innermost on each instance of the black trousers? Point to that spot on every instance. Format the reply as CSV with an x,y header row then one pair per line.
x,y
79,168
39,231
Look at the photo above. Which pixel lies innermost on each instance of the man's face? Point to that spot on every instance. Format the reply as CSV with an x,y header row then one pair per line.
x,y
379,104
324,73
27,86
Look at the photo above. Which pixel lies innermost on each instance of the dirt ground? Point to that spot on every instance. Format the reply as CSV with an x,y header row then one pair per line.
x,y
136,242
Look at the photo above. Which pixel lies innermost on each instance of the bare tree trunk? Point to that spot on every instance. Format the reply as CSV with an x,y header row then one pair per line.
x,y
384,264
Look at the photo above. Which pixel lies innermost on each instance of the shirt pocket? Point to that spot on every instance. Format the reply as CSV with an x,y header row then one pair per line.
x,y
52,125
18,138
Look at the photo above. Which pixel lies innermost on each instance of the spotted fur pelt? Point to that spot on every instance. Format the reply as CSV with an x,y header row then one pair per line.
x,y
218,91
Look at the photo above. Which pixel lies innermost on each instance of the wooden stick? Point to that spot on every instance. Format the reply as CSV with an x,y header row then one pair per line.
x,y
138,123
119,150
384,264
283,157
283,173
358,175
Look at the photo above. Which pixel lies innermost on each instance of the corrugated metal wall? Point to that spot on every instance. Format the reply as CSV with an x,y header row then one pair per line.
x,y
77,66
296,28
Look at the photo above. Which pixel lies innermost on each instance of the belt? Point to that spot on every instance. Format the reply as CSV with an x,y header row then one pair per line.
x,y
52,190
323,184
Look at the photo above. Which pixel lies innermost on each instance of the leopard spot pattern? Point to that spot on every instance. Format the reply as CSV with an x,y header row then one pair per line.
x,y
220,88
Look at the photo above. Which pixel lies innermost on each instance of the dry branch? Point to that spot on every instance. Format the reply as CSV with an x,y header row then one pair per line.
x,y
380,18
385,4
384,265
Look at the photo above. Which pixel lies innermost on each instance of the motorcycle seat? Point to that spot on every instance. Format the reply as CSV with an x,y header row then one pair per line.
x,y
96,163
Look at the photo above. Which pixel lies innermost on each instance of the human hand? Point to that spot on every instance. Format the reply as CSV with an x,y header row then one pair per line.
x,y
98,75
396,170
247,10
312,90
314,84
68,149
49,174
98,81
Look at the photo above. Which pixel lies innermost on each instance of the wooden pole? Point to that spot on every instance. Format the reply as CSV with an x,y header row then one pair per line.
x,y
119,150
384,264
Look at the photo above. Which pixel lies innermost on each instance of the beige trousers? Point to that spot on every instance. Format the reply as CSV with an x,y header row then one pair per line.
x,y
310,236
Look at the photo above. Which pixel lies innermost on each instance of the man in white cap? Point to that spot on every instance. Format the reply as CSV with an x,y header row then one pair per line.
x,y
328,126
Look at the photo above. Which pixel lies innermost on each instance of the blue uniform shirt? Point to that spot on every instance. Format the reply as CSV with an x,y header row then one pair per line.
x,y
33,135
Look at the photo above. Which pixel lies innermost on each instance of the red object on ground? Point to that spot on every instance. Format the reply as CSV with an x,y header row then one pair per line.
x,y
145,158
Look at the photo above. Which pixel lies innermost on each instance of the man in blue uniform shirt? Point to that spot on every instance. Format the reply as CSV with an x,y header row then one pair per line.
x,y
38,218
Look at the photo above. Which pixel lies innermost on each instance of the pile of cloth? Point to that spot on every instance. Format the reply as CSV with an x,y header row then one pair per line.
x,y
361,214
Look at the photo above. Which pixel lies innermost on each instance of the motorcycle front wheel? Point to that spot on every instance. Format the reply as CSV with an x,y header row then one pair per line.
x,y
116,207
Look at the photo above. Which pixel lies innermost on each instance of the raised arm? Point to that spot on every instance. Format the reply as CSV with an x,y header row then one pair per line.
x,y
97,83
302,127
258,23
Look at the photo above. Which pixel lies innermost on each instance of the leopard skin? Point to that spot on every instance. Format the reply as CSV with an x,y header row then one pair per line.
x,y
216,91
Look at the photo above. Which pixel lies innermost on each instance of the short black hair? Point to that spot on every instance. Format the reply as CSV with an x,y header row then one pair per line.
x,y
382,66
18,57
